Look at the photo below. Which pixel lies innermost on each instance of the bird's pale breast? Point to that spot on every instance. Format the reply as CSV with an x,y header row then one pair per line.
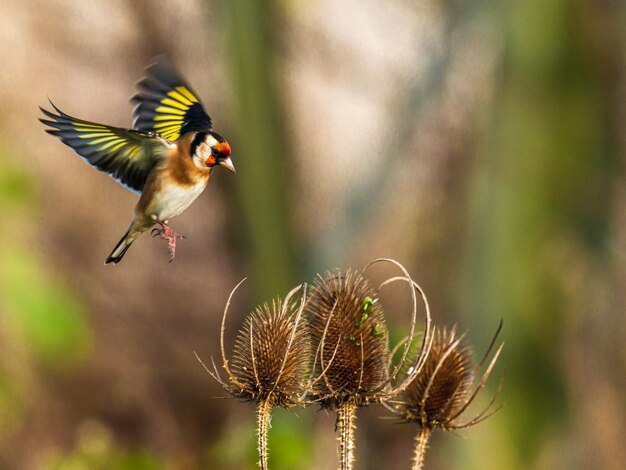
x,y
172,199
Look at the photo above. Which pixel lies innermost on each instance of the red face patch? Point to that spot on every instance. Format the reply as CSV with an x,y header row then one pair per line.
x,y
223,148
211,161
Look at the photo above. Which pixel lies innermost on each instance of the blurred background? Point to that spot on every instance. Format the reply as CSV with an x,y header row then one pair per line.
x,y
481,143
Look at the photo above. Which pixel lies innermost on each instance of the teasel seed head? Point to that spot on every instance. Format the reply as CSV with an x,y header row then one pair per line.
x,y
442,391
270,356
350,340
349,332
270,360
352,363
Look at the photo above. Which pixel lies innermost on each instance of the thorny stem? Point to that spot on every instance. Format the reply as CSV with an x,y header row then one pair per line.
x,y
421,444
263,423
346,417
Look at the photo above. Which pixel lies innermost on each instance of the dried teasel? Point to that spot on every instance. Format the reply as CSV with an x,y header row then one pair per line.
x,y
352,361
348,327
270,360
441,392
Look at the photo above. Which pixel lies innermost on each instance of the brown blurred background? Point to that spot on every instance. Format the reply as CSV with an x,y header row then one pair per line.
x,y
480,143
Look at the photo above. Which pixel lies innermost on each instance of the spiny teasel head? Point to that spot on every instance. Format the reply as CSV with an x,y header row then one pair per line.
x,y
271,355
352,364
270,360
442,391
350,339
349,333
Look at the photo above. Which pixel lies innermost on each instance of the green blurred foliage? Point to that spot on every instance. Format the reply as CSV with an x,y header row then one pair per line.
x,y
48,320
290,439
97,451
44,321
237,448
41,311
547,182
10,412
16,189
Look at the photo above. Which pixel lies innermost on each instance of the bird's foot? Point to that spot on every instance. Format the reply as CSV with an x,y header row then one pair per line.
x,y
168,234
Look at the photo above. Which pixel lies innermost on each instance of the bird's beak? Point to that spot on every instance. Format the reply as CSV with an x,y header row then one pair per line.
x,y
228,164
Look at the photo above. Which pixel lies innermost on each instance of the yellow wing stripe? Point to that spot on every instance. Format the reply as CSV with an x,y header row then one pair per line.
x,y
168,117
93,134
179,98
189,95
171,135
167,109
89,125
168,131
183,96
168,123
117,147
175,104
108,145
103,139
168,127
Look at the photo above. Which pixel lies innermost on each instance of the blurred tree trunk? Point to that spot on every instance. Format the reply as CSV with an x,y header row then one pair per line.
x,y
259,147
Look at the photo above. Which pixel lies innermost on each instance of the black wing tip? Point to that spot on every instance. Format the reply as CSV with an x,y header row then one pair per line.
x,y
47,112
157,62
51,123
163,72
147,94
59,116
56,108
160,59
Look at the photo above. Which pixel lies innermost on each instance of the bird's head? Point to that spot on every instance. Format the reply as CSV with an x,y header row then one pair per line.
x,y
209,149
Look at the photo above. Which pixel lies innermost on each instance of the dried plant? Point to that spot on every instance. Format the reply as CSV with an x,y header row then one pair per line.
x,y
352,365
270,360
441,392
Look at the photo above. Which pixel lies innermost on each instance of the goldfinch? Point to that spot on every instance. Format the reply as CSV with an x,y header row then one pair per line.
x,y
167,157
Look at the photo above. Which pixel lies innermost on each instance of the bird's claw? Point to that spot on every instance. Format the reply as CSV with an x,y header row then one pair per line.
x,y
168,234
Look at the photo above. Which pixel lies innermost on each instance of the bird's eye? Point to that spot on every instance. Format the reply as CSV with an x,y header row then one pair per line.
x,y
215,152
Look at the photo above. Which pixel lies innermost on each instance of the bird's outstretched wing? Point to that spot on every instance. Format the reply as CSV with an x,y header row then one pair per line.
x,y
165,104
127,155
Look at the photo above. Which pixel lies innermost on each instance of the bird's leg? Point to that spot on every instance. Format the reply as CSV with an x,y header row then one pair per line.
x,y
166,233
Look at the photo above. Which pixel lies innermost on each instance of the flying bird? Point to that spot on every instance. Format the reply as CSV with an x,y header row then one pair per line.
x,y
167,157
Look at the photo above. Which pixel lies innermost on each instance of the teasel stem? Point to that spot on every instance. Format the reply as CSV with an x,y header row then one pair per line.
x,y
346,417
263,423
421,444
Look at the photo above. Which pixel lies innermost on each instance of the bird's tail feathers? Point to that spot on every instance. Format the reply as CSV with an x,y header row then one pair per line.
x,y
120,249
